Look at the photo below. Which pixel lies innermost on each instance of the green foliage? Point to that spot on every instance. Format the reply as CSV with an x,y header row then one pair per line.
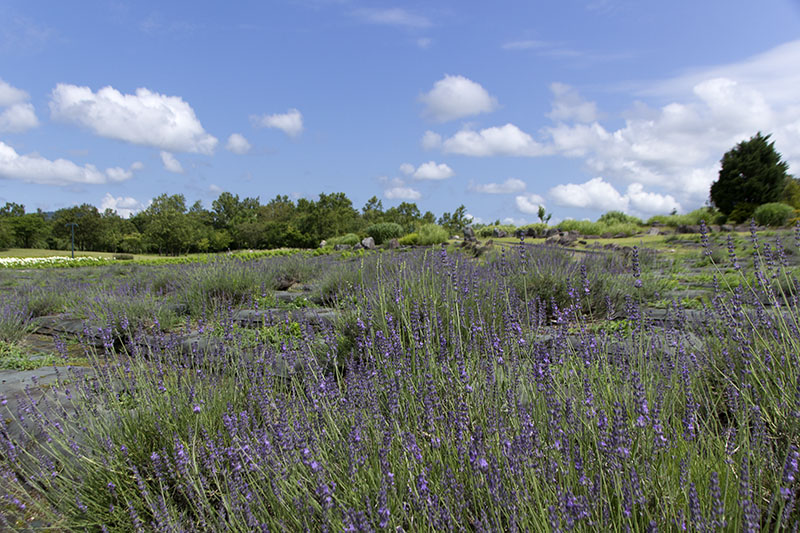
x,y
791,193
350,239
742,212
692,218
488,231
15,357
752,172
585,227
385,231
432,234
618,217
456,222
409,240
773,214
539,227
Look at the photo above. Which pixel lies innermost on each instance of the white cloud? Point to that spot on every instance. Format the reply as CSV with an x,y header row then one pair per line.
x,y
529,203
431,140
393,17
121,174
214,188
433,171
455,97
19,114
33,168
170,163
402,193
145,118
424,42
593,194
600,195
568,105
291,122
18,118
125,206
526,45
238,144
407,169
503,140
10,95
510,186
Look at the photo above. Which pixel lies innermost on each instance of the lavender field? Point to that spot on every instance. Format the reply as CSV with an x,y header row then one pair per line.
x,y
423,389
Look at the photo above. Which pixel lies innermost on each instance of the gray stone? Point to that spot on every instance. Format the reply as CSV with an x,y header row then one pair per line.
x,y
368,243
323,243
726,228
393,244
469,234
499,233
654,231
341,247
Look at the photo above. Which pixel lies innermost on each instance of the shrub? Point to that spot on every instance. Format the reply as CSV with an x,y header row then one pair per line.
x,y
773,214
488,231
539,227
742,212
409,240
351,239
693,218
123,257
385,231
618,217
432,234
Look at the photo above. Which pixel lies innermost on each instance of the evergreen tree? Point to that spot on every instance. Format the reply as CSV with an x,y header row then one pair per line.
x,y
752,173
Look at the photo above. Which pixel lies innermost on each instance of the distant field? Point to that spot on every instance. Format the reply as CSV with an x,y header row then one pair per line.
x,y
37,252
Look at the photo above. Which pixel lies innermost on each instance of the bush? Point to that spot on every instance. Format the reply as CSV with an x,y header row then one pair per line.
x,y
585,227
773,214
539,227
351,239
693,218
123,257
742,212
432,234
409,240
488,231
385,231
618,217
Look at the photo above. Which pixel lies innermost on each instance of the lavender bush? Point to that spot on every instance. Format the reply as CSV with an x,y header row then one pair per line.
x,y
467,397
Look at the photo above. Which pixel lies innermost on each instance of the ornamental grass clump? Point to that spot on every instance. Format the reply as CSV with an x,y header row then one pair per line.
x,y
463,402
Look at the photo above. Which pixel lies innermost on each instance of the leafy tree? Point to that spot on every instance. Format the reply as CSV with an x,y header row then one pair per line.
x,y
372,212
406,214
752,173
30,230
167,227
89,230
791,193
544,217
12,209
456,222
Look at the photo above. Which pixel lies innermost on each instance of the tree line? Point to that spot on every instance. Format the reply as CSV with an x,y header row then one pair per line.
x,y
168,226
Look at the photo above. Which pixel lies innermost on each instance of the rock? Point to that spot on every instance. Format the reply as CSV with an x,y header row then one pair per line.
x,y
358,246
368,243
341,247
654,231
323,243
498,233
550,232
393,244
469,234
284,282
726,228
688,228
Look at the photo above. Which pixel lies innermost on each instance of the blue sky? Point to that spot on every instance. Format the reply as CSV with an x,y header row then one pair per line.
x,y
581,106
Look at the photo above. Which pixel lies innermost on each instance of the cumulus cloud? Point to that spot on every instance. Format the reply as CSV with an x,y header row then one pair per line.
x,y
455,97
600,195
503,140
431,140
18,118
10,95
32,168
677,147
431,171
238,144
407,169
145,118
291,122
529,203
510,186
18,115
125,206
402,193
393,17
569,105
170,163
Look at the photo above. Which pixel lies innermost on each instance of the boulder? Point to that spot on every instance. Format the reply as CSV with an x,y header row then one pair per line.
x,y
654,231
498,233
323,243
687,228
393,244
726,228
341,247
469,234
368,243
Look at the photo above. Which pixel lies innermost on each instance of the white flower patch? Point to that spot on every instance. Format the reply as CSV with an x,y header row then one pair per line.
x,y
14,262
